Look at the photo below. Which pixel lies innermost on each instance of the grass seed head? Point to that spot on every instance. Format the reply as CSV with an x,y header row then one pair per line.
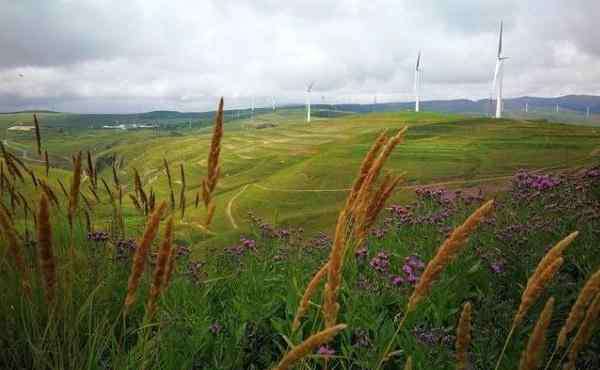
x,y
308,346
577,313
141,254
584,334
310,290
162,263
447,252
536,346
47,261
463,337
533,291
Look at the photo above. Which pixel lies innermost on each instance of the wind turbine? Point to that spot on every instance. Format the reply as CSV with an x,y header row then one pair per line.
x,y
418,83
273,102
308,91
498,76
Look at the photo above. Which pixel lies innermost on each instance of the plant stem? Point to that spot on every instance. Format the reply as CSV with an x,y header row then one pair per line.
x,y
510,334
384,358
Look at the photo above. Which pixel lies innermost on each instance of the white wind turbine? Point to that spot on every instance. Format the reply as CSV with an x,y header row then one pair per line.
x,y
308,92
498,76
418,83
273,102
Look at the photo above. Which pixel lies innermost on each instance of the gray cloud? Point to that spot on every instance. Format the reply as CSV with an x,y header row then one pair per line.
x,y
110,55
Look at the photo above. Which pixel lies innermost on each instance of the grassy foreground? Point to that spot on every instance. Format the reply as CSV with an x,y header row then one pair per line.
x,y
81,292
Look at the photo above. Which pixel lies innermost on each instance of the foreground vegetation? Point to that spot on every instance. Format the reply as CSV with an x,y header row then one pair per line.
x,y
389,285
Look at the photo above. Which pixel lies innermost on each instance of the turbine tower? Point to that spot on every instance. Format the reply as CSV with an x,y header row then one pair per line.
x,y
308,91
273,102
498,76
418,83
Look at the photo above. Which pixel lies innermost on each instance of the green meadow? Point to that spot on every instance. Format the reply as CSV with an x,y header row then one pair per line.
x,y
226,297
291,172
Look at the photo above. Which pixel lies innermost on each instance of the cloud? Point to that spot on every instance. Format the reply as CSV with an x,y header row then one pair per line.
x,y
116,56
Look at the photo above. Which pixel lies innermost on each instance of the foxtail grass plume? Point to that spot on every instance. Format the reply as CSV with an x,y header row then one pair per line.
x,y
139,189
365,167
141,254
170,183
38,136
334,272
584,334
162,263
308,346
49,193
15,249
170,268
586,296
533,291
182,201
536,346
310,290
91,170
47,261
371,177
463,337
551,256
75,184
209,183
46,163
447,252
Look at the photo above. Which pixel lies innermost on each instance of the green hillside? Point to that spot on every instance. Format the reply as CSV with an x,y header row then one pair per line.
x,y
298,173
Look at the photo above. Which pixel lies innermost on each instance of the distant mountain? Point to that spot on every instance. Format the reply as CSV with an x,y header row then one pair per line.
x,y
30,111
569,104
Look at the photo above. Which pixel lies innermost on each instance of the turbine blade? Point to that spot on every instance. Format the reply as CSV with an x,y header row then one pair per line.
x,y
418,61
500,41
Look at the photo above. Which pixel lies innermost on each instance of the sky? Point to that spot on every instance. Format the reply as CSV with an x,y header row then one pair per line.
x,y
141,55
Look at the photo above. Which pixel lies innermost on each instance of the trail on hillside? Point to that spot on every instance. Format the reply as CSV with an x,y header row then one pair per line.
x,y
230,205
406,187
24,153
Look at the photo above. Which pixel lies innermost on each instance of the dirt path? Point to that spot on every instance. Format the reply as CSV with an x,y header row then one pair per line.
x,y
435,184
230,205
24,153
301,190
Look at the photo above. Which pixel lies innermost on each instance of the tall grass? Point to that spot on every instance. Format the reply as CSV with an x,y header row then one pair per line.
x,y
260,304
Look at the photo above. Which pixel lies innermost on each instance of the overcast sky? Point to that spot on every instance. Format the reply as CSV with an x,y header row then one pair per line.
x,y
141,55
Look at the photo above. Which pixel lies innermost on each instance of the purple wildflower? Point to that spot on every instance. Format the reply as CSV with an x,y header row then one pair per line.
x,y
215,328
326,351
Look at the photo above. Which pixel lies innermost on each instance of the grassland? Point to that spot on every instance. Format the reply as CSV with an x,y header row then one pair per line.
x,y
298,173
231,301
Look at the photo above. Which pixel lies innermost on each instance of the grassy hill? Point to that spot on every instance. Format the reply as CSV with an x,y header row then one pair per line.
x,y
298,173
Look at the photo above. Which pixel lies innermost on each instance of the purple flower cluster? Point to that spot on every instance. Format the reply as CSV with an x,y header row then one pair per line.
x,y
381,262
124,249
412,269
361,254
526,181
246,245
592,173
325,351
320,241
433,336
215,328
440,196
98,236
196,271
182,251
